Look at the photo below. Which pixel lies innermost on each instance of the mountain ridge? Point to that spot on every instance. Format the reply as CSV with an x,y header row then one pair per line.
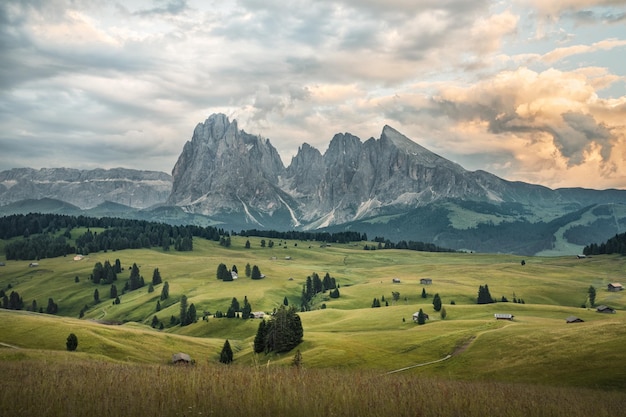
x,y
227,176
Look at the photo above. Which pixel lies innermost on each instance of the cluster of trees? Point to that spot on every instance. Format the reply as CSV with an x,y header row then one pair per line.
x,y
314,285
484,297
408,245
281,333
339,237
226,274
38,247
616,244
235,310
14,301
188,313
42,240
106,273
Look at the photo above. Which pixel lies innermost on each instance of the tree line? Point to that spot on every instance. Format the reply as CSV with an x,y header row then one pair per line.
x,y
41,238
616,244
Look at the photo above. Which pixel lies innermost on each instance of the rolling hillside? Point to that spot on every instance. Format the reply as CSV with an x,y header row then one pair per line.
x,y
536,347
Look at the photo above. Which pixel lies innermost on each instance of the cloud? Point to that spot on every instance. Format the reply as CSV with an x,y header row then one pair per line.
x,y
137,76
560,53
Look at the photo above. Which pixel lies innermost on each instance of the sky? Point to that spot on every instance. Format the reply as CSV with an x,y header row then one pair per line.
x,y
529,90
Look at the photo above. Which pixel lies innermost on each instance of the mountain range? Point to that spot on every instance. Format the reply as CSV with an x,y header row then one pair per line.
x,y
388,187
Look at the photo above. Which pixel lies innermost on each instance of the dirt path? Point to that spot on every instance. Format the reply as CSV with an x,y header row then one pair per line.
x,y
9,346
456,352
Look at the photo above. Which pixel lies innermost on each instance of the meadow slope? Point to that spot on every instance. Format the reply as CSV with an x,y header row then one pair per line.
x,y
536,347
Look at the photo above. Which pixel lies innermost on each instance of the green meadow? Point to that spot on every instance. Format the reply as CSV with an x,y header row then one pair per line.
x,y
344,338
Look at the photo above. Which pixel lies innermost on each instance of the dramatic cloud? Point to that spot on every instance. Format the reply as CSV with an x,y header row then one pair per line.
x,y
530,90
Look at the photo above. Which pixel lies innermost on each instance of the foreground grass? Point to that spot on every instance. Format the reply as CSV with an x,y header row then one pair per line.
x,y
74,386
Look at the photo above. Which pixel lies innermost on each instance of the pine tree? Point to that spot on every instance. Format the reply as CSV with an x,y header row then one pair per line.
x,y
256,273
234,304
135,278
437,302
443,313
246,311
222,272
113,291
484,297
191,314
156,277
284,330
424,295
96,296
248,270
421,318
72,342
158,306
165,291
285,301
226,356
260,338
592,295
247,244
183,310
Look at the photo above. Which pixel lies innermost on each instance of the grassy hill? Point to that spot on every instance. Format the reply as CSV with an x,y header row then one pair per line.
x,y
537,347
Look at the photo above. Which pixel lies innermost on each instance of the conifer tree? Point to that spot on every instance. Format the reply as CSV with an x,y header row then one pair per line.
x,y
165,291
72,342
96,296
183,310
191,314
113,291
484,297
437,302
592,295
256,273
135,278
246,311
421,318
284,330
260,338
424,295
248,270
156,277
226,356
222,271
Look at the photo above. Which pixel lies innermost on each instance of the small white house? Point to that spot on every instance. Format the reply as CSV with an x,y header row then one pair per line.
x,y
258,314
78,257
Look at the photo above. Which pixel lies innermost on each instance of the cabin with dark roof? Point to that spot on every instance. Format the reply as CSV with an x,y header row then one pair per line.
x,y
574,319
605,309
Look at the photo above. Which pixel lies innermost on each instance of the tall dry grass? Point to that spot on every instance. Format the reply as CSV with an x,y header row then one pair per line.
x,y
90,388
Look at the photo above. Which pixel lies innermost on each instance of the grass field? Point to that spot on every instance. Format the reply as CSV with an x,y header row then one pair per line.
x,y
537,347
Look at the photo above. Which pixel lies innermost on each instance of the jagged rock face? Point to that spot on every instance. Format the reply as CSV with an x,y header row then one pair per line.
x,y
223,170
86,188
